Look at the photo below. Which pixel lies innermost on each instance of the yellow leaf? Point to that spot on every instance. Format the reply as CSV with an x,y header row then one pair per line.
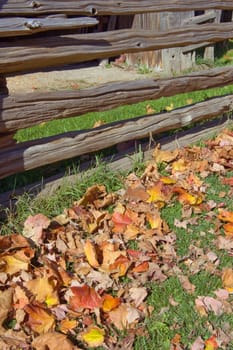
x,y
91,255
170,107
94,337
164,156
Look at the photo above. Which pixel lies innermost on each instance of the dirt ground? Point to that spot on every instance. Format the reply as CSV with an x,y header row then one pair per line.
x,y
74,77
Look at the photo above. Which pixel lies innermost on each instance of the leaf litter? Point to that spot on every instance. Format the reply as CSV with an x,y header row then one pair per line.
x,y
82,278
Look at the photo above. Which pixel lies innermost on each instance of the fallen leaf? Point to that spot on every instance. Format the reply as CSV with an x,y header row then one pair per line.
x,y
52,341
91,254
138,294
39,319
67,325
123,316
6,301
211,343
227,279
94,336
84,297
110,302
164,156
34,226
44,290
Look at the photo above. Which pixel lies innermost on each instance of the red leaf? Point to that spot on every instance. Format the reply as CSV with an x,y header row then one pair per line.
x,y
84,297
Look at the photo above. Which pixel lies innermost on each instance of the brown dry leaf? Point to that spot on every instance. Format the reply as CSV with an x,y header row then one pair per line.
x,y
20,298
124,316
34,226
44,290
91,254
15,262
39,319
138,294
209,304
53,341
13,241
164,156
6,301
227,279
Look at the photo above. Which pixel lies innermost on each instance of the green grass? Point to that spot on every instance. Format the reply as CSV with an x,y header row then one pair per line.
x,y
121,113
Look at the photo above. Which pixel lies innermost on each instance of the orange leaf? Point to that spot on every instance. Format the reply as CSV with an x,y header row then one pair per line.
x,y
228,228
228,181
143,267
187,198
225,215
91,255
84,297
211,343
120,222
67,325
40,321
110,303
120,265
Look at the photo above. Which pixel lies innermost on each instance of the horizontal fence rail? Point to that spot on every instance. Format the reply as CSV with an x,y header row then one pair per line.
x,y
31,54
109,7
14,26
30,155
26,110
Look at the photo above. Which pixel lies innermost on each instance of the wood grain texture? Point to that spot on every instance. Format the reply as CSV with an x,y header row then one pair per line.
x,y
29,155
21,111
118,162
95,7
14,26
27,54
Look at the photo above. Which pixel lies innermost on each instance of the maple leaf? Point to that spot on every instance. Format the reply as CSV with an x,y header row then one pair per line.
x,y
34,226
44,290
39,319
110,302
52,341
84,297
91,254
94,336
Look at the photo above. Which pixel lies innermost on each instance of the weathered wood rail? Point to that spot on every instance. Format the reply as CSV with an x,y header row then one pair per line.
x,y
62,49
112,7
25,47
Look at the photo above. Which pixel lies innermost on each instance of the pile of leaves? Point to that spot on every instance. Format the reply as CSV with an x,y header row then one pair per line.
x,y
81,280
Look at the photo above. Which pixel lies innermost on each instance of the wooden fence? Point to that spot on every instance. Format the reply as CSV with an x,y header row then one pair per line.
x,y
33,36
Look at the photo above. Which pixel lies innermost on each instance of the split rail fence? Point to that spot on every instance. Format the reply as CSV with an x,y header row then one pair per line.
x,y
40,34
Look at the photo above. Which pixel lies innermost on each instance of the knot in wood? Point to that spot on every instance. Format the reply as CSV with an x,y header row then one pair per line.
x,y
35,4
32,24
92,10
